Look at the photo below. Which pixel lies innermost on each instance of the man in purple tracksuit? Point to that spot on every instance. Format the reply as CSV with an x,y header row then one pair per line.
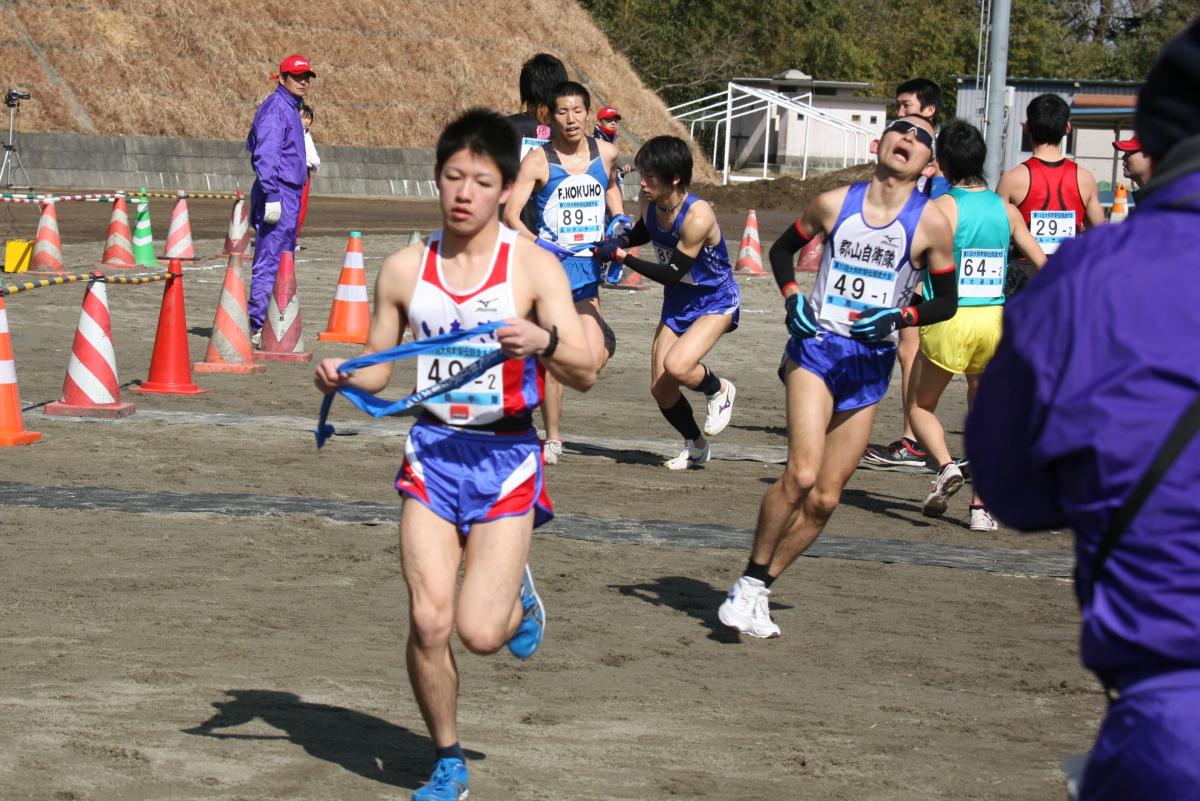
x,y
276,145
1097,365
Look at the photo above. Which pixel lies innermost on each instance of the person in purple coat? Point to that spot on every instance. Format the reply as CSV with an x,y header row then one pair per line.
x,y
276,145
1085,411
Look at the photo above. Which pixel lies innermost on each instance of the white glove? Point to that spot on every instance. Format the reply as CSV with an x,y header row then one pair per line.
x,y
272,211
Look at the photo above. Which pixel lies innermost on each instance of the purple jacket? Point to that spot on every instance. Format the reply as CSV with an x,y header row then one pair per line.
x,y
1100,358
276,144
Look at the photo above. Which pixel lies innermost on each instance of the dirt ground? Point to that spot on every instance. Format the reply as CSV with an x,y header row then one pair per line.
x,y
185,655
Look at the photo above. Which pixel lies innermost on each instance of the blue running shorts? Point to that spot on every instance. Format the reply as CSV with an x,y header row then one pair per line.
x,y
857,373
584,275
683,304
469,477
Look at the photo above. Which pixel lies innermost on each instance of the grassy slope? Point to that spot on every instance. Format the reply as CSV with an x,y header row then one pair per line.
x,y
390,73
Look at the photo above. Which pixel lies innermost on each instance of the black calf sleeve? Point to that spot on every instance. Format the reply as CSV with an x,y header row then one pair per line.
x,y
710,384
681,419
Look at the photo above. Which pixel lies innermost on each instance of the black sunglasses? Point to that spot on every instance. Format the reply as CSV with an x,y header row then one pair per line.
x,y
904,126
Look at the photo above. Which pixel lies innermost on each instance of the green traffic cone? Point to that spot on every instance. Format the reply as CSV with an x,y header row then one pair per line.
x,y
143,237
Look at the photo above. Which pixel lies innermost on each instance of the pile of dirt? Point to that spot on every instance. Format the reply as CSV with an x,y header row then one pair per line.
x,y
785,193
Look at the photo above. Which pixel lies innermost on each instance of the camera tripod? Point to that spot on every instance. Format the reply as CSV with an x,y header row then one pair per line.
x,y
12,159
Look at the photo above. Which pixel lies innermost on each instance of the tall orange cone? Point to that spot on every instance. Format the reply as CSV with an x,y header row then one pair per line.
x,y
1120,208
283,330
47,248
237,240
749,258
171,366
179,235
350,316
118,247
12,426
91,388
229,349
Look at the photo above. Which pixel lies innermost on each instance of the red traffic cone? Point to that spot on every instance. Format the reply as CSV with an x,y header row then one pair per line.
x,y
229,349
749,258
238,238
12,425
810,255
91,388
47,248
283,330
179,235
350,316
118,247
170,366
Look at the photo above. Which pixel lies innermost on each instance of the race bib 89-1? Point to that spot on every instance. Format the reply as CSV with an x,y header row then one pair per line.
x,y
981,273
575,211
483,397
1050,228
852,288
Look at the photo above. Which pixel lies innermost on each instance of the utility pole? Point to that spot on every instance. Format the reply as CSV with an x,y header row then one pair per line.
x,y
997,79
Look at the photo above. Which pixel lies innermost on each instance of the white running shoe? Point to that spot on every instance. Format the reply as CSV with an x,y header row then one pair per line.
x,y
689,457
551,451
748,610
949,481
982,520
720,408
256,340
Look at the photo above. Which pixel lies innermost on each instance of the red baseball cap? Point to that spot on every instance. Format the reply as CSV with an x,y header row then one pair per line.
x,y
295,65
608,114
1131,145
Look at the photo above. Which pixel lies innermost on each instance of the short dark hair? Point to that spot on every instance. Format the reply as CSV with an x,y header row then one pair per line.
x,y
539,75
928,94
306,109
1047,117
568,89
484,133
961,152
666,158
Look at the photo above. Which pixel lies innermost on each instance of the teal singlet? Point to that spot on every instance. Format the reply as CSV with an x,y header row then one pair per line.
x,y
980,247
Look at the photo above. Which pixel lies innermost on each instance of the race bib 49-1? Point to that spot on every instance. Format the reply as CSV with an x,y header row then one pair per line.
x,y
852,288
1050,228
981,273
483,397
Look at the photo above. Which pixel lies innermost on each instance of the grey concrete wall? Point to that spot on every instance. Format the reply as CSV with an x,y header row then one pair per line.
x,y
60,160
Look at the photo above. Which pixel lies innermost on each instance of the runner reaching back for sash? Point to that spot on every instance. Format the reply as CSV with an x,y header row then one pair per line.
x,y
881,235
472,473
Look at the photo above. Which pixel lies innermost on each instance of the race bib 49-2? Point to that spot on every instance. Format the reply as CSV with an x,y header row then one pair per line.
x,y
482,397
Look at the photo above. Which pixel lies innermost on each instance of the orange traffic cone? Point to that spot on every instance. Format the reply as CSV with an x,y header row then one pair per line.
x,y
350,316
749,258
229,349
632,280
171,366
237,240
179,235
118,247
1119,208
12,426
47,248
810,255
91,388
283,330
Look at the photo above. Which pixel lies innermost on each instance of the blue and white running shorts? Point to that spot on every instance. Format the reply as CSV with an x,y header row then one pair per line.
x,y
469,477
683,304
857,373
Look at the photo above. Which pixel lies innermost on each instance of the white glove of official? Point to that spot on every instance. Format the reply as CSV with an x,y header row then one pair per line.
x,y
272,211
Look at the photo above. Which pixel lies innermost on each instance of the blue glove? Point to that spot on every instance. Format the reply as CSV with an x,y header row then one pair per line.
x,y
621,224
556,250
607,249
801,320
875,323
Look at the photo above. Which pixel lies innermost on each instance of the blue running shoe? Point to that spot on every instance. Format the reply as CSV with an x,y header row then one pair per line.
x,y
528,637
448,782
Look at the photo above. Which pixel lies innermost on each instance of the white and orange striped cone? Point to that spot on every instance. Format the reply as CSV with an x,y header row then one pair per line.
x,y
12,425
810,255
91,388
1120,207
350,316
283,330
749,260
237,240
47,248
179,235
118,247
229,349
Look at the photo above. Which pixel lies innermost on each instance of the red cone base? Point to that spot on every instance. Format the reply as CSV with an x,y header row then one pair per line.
x,y
303,356
104,411
226,367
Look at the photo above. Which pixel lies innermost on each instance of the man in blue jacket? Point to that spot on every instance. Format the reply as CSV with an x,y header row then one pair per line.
x,y
1096,373
276,145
